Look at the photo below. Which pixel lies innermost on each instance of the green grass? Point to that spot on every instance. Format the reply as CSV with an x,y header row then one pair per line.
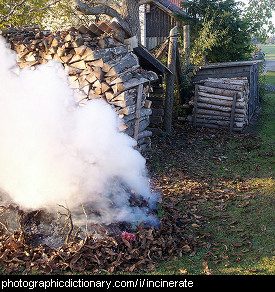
x,y
270,77
268,129
269,51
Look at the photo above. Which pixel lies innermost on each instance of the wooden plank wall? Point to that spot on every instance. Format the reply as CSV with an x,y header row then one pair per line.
x,y
158,26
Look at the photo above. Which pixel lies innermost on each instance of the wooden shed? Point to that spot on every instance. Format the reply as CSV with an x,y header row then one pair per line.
x,y
248,69
157,19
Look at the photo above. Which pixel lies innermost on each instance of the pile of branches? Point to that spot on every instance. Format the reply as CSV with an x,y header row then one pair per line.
x,y
111,252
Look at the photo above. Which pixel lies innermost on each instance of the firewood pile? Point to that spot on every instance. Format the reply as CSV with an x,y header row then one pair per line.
x,y
221,103
99,65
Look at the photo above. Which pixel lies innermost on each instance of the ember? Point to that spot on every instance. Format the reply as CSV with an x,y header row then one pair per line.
x,y
128,236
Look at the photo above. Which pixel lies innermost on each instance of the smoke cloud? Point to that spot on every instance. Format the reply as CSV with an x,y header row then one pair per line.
x,y
53,152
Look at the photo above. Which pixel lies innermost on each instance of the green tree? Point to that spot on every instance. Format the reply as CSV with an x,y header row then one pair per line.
x,y
64,15
227,37
23,12
51,14
205,41
258,14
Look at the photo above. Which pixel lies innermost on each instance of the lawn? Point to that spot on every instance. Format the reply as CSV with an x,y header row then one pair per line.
x,y
269,51
270,77
225,183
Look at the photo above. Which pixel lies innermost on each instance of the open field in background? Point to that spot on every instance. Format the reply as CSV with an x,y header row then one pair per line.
x,y
269,51
270,77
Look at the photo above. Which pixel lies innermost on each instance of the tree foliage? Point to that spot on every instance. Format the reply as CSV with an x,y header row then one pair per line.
x,y
258,14
64,15
205,41
23,12
218,30
52,14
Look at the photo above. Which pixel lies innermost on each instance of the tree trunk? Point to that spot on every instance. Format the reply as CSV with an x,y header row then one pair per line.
x,y
127,13
130,14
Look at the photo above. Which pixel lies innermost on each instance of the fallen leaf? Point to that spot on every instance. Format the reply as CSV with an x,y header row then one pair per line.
x,y
186,248
183,271
244,204
238,230
237,244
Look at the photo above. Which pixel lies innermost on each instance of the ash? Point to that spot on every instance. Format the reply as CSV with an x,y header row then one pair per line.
x,y
56,228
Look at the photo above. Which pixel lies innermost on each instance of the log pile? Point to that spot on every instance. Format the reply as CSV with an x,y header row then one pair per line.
x,y
98,65
221,103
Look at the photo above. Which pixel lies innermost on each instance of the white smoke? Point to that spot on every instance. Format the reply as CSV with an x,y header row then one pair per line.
x,y
52,152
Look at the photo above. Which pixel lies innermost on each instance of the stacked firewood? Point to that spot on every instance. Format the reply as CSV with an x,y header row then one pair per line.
x,y
221,103
97,65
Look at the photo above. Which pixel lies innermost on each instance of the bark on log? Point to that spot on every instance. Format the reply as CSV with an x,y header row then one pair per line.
x,y
127,62
105,54
216,101
224,85
222,93
119,87
220,108
222,118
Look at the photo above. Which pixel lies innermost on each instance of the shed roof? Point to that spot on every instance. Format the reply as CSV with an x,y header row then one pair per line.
x,y
149,61
230,64
169,7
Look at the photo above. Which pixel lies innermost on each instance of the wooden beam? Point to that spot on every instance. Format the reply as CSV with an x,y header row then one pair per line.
x,y
180,77
138,106
186,43
232,116
162,50
170,79
142,52
195,106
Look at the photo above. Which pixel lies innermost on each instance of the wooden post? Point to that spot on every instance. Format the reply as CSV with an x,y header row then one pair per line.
x,y
195,105
170,79
180,77
138,106
186,43
162,50
232,116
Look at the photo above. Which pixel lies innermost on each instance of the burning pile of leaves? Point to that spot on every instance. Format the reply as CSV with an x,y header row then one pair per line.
x,y
119,246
